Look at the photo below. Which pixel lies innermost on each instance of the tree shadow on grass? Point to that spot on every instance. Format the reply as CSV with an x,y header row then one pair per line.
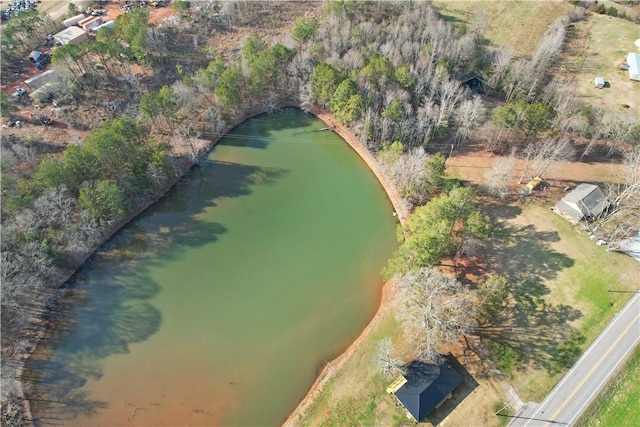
x,y
532,329
110,308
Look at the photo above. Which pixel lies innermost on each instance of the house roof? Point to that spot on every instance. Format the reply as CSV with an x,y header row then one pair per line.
x,y
70,35
585,200
427,385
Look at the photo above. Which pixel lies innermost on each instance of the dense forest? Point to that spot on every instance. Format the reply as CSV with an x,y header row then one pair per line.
x,y
394,72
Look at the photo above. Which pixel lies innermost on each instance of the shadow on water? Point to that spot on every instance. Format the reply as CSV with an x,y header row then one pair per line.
x,y
110,309
217,179
256,132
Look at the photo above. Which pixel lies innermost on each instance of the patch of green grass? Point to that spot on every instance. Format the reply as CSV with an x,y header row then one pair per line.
x,y
505,357
609,42
353,395
518,25
350,412
618,404
559,282
504,412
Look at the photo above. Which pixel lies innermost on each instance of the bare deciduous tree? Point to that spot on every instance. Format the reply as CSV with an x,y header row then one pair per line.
x,y
55,206
385,361
624,216
468,116
620,132
501,60
540,155
498,177
407,171
433,309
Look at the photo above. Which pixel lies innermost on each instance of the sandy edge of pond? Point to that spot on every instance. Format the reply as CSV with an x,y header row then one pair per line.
x,y
389,289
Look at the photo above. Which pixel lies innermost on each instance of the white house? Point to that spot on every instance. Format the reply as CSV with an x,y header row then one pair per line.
x,y
633,62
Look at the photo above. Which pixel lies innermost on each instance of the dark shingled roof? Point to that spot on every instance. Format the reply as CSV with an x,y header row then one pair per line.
x,y
427,385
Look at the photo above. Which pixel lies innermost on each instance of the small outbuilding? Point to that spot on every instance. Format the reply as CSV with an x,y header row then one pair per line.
x,y
35,56
425,387
598,82
70,35
108,24
73,20
474,83
40,80
633,65
586,201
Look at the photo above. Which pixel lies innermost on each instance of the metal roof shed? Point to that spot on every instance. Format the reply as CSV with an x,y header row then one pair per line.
x,y
70,35
40,79
586,201
633,62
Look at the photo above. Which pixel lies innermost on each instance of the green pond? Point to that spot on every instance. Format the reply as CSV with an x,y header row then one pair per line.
x,y
220,303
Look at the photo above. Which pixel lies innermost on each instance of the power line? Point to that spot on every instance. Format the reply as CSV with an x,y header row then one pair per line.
x,y
247,137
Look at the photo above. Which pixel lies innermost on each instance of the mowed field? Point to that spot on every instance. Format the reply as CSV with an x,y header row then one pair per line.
x,y
609,41
560,293
618,405
517,25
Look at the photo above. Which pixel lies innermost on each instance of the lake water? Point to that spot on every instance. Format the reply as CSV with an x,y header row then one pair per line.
x,y
219,304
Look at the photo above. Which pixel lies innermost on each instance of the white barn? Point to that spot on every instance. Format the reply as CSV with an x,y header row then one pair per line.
x,y
633,62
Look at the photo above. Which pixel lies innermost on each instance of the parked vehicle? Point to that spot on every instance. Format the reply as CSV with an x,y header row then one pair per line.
x,y
43,61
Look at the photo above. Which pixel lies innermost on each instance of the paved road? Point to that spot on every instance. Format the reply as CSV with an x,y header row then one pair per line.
x,y
572,395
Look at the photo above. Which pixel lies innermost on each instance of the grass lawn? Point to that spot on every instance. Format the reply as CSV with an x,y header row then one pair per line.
x,y
560,300
607,42
353,396
518,25
618,405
